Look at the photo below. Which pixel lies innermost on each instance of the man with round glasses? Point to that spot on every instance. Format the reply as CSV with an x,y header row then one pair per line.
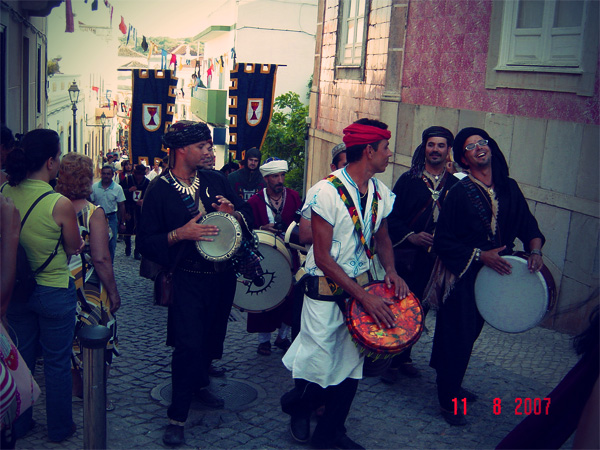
x,y
274,209
483,214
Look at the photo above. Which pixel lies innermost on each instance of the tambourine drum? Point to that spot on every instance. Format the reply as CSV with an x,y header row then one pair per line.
x,y
515,302
292,238
385,342
269,291
226,243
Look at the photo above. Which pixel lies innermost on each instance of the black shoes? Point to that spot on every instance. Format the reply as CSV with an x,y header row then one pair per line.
x,y
216,372
300,428
173,435
346,443
456,420
468,395
342,443
209,399
283,344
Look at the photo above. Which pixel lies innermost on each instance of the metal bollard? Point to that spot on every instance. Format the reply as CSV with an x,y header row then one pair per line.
x,y
93,339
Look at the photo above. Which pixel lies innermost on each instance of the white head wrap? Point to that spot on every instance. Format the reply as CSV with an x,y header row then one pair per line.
x,y
273,166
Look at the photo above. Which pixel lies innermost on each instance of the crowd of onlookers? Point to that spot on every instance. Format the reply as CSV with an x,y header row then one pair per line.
x,y
65,239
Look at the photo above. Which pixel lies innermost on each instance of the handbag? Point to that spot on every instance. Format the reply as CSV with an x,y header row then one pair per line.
x,y
163,288
25,277
164,294
28,390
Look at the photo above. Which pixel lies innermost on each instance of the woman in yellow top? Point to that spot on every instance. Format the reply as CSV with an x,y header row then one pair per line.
x,y
47,317
93,270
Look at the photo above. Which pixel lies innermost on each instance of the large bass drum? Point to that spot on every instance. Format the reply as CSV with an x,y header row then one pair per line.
x,y
270,290
224,245
515,302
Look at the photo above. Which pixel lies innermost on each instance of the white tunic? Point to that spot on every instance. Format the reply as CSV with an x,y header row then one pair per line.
x,y
323,352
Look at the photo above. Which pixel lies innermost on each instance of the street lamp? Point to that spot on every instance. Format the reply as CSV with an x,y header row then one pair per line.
x,y
74,96
103,123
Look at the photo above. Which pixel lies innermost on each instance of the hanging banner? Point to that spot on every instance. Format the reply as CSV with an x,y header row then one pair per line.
x,y
251,95
152,109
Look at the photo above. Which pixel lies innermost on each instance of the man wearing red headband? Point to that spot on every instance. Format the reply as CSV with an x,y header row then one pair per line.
x,y
323,356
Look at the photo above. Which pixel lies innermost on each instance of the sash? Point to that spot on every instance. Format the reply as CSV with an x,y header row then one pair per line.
x,y
353,211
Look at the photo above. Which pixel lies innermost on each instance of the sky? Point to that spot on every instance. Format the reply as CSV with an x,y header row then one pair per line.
x,y
83,52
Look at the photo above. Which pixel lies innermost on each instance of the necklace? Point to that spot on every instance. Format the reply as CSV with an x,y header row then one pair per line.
x,y
188,188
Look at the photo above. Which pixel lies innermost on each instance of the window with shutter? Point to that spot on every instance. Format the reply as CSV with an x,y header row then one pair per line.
x,y
549,45
352,35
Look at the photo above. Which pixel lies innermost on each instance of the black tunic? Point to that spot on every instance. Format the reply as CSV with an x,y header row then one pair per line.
x,y
197,321
413,214
459,231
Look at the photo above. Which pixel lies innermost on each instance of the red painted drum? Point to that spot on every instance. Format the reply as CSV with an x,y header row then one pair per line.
x,y
385,342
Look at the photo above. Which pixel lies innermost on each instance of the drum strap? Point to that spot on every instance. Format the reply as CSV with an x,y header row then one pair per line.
x,y
327,290
353,211
474,193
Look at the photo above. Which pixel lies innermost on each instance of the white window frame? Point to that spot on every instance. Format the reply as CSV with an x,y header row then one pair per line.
x,y
352,68
509,49
501,72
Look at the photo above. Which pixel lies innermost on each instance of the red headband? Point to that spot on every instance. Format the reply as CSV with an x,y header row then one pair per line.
x,y
357,134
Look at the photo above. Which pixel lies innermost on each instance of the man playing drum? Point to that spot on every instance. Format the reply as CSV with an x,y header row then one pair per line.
x,y
323,355
420,193
482,216
274,209
167,235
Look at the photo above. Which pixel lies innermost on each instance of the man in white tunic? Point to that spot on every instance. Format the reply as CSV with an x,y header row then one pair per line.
x,y
324,361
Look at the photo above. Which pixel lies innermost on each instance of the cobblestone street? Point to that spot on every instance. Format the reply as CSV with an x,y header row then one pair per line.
x,y
402,416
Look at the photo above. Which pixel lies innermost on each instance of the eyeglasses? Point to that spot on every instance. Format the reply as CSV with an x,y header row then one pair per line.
x,y
481,143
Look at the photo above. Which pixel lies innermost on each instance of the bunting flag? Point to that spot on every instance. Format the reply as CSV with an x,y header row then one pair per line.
x,y
152,109
251,95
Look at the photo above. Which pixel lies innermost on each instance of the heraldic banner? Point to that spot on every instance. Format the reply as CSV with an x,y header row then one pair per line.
x,y
152,110
250,105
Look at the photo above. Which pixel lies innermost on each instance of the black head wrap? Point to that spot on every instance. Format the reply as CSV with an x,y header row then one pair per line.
x,y
186,132
252,153
499,166
418,159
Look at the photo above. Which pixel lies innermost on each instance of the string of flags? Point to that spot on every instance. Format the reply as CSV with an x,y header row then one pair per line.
x,y
209,66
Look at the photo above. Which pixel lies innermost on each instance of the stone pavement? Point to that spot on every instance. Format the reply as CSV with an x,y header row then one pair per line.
x,y
402,416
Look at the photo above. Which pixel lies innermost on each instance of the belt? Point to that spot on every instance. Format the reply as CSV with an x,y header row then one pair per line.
x,y
110,214
325,289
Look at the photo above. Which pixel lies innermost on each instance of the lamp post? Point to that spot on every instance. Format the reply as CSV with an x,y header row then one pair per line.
x,y
74,96
103,123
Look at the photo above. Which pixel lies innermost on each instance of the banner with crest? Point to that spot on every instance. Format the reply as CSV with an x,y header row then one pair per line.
x,y
251,95
152,108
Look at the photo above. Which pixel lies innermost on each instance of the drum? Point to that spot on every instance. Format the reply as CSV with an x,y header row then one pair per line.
x,y
292,238
226,243
269,291
515,302
380,342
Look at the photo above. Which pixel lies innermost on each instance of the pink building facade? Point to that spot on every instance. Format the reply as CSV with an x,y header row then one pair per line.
x,y
481,63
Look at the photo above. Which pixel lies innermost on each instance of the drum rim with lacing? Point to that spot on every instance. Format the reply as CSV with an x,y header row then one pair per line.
x,y
223,219
277,243
367,347
485,304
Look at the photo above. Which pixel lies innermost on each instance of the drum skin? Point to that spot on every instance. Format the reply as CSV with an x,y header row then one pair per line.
x,y
385,342
272,288
517,302
226,243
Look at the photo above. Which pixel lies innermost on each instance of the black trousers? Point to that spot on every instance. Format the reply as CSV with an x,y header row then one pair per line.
x,y
458,325
197,325
305,396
